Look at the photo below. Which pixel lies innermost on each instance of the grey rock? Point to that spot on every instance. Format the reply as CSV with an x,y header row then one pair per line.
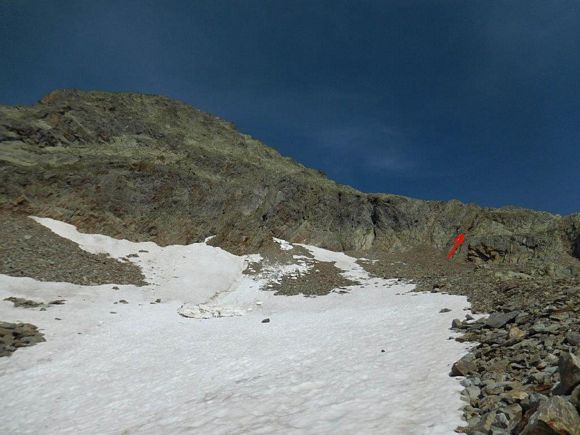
x,y
493,388
533,401
569,367
522,318
470,410
489,403
501,421
473,421
466,382
497,320
456,324
543,326
23,302
512,396
485,423
514,413
575,398
473,394
573,338
464,366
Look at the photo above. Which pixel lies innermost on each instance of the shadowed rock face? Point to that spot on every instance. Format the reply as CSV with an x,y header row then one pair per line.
x,y
150,168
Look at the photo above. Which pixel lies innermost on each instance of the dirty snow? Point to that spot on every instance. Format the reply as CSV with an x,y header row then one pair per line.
x,y
205,311
141,368
284,245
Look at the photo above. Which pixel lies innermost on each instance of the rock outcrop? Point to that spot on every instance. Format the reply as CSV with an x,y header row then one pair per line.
x,y
15,335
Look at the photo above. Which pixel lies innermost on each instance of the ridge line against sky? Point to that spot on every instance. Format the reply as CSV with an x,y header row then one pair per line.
x,y
477,101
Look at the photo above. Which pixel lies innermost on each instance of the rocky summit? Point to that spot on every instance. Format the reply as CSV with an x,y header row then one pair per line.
x,y
148,168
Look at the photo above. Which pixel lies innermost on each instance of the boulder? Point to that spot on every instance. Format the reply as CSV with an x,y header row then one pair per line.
x,y
497,320
573,338
456,324
485,423
555,416
464,366
575,398
569,367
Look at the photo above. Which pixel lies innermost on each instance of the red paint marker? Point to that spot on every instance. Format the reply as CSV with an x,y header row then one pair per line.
x,y
458,242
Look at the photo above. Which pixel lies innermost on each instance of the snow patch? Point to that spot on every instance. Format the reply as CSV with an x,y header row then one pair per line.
x,y
317,367
187,273
349,265
203,311
284,245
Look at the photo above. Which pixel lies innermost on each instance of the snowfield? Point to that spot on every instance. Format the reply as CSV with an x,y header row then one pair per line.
x,y
317,367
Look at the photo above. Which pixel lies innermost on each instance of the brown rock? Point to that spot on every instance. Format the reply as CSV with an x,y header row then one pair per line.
x,y
464,366
514,396
555,416
516,333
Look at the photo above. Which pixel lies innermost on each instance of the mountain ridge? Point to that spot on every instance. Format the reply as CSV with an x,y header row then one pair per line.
x,y
139,167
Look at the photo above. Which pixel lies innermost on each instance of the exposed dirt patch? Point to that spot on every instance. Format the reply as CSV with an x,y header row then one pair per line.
x,y
306,275
319,280
273,256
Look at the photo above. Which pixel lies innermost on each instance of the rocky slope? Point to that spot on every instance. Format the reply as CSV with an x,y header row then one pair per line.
x,y
149,168
31,250
524,375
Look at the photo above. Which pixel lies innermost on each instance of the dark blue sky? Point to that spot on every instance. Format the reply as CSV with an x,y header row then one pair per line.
x,y
474,100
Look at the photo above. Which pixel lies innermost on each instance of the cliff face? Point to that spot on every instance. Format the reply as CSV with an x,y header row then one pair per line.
x,y
150,168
